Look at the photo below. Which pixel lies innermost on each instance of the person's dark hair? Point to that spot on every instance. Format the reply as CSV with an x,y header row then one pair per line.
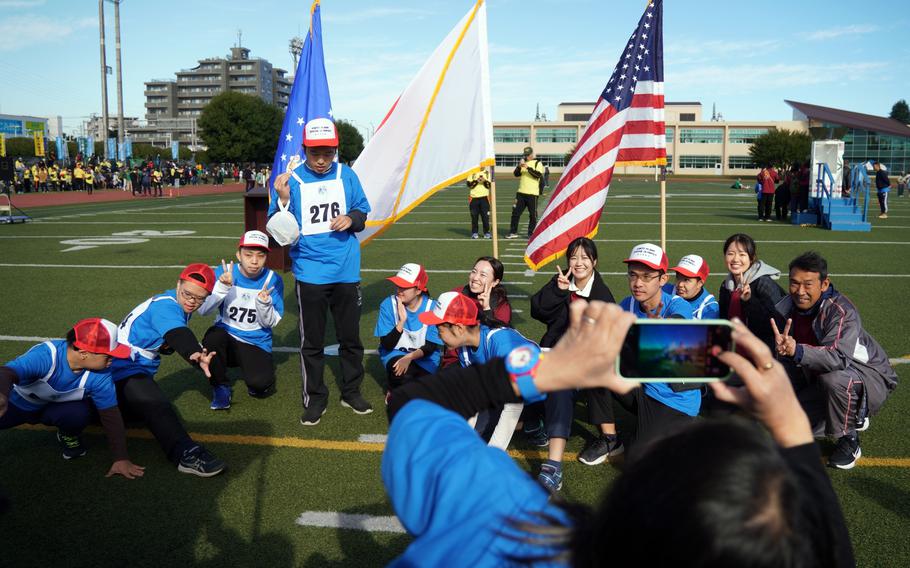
x,y
746,242
586,245
71,338
811,262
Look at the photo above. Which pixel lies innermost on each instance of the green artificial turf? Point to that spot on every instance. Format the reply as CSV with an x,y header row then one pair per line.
x,y
67,514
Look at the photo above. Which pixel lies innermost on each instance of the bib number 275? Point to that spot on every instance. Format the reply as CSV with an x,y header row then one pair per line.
x,y
324,211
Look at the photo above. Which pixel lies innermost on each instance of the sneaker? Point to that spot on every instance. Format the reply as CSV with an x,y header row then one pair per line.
x,y
883,216
475,236
198,461
846,452
72,446
550,477
488,235
311,416
358,404
512,236
537,436
221,397
862,424
600,449
265,393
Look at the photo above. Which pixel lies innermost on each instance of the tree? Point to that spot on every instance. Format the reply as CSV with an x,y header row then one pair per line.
x,y
350,142
780,148
240,128
900,111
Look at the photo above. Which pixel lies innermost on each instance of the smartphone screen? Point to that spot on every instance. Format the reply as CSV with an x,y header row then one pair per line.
x,y
675,350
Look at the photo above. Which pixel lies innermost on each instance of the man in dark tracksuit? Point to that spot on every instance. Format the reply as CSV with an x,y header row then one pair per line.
x,y
530,171
882,186
840,373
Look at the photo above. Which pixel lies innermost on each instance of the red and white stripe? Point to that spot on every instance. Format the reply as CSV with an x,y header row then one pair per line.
x,y
631,136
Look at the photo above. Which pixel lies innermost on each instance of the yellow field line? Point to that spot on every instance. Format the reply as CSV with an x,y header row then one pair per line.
x,y
344,446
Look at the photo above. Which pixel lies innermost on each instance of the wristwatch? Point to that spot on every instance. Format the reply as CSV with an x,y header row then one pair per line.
x,y
521,364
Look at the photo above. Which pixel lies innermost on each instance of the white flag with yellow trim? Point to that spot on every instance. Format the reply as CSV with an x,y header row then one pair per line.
x,y
437,133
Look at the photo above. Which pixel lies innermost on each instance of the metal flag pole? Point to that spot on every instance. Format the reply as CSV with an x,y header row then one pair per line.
x,y
493,212
663,210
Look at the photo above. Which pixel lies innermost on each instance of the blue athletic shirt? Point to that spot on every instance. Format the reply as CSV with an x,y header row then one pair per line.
x,y
704,306
455,495
143,329
687,402
47,361
494,343
326,258
241,313
388,318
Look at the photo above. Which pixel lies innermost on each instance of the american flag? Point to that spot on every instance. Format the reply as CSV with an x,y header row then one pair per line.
x,y
626,128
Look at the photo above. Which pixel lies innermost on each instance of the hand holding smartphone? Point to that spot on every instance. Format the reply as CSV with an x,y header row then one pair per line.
x,y
676,350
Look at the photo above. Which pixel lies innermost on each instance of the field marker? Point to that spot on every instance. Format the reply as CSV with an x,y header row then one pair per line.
x,y
334,520
360,447
372,438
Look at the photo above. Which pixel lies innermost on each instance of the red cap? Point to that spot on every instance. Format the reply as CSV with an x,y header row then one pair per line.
x,y
97,335
196,271
320,132
410,275
451,307
254,239
693,266
650,255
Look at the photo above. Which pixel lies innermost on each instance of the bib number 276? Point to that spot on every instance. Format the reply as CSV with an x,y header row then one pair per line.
x,y
324,211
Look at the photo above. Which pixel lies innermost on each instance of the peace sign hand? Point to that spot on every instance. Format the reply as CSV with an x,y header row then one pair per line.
x,y
562,280
784,343
484,297
227,277
265,295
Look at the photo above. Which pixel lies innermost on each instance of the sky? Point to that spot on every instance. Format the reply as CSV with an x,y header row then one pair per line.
x,y
745,57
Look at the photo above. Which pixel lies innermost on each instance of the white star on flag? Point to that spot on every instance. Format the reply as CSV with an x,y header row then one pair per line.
x,y
330,113
284,157
299,121
288,137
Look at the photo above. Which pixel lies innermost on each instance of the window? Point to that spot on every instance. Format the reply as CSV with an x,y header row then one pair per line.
x,y
741,163
669,161
698,162
701,135
552,160
557,135
745,135
671,132
577,117
687,117
508,160
522,135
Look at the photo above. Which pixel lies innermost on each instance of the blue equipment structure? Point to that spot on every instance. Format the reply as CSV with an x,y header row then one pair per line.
x,y
6,211
840,213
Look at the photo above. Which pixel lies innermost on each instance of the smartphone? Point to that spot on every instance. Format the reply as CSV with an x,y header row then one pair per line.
x,y
675,351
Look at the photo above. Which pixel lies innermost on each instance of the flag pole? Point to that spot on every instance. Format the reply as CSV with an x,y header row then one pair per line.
x,y
663,211
493,212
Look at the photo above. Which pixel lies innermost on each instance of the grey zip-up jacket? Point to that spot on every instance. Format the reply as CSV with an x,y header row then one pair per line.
x,y
842,341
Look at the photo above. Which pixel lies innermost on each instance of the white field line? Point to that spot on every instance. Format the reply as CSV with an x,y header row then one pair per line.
x,y
136,210
614,223
372,438
234,237
641,240
335,520
237,222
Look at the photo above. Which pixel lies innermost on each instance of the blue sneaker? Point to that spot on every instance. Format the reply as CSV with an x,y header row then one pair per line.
x,y
198,461
221,397
550,477
537,436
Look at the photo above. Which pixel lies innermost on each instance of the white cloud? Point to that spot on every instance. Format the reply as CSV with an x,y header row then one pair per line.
x,y
20,32
839,31
374,13
717,79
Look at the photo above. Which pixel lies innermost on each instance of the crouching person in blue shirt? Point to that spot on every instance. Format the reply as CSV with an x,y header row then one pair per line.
x,y
53,383
691,275
249,299
158,326
457,318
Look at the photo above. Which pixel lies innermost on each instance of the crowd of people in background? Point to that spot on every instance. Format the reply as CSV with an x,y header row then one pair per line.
x,y
141,177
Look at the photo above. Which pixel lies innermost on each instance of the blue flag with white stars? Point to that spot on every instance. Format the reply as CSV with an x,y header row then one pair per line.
x,y
309,99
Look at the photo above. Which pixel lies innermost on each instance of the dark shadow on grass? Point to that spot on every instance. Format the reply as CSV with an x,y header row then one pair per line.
x,y
361,548
893,497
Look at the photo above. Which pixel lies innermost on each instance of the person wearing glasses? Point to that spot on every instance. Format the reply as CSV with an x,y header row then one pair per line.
x,y
662,408
158,326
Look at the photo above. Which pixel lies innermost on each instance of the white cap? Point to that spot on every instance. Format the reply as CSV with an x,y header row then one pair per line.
x,y
650,255
692,266
254,239
411,275
320,132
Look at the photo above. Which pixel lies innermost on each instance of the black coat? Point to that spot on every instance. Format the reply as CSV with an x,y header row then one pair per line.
x,y
758,311
550,305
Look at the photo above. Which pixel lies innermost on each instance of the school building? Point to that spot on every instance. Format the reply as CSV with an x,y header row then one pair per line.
x,y
696,146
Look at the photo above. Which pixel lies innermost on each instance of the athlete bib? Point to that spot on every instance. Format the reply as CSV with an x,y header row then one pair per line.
x,y
320,202
41,391
239,308
411,340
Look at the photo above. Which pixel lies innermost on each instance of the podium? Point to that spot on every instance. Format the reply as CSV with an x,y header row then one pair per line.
x,y
255,217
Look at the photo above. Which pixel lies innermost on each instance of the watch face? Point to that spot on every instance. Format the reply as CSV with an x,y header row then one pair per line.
x,y
519,358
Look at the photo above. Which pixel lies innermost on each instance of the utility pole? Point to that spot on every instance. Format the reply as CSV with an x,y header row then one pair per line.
x,y
103,76
120,133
